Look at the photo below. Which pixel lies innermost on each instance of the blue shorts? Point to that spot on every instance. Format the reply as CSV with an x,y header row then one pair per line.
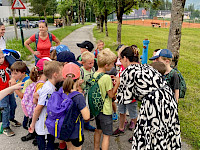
x,y
132,109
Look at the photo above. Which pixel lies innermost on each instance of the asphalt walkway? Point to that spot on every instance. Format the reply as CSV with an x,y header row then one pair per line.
x,y
116,143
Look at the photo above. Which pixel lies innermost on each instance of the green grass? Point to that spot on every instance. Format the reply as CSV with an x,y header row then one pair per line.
x,y
60,33
189,64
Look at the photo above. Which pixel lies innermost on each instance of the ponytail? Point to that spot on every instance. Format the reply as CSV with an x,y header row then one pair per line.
x,y
68,84
34,74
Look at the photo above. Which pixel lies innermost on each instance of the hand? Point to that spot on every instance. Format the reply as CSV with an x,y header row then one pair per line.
x,y
12,82
80,81
31,128
36,53
17,86
117,80
36,95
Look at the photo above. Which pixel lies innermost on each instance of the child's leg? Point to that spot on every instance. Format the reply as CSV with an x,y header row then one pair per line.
x,y
97,138
41,142
13,106
105,142
25,122
50,142
75,144
4,103
114,106
132,108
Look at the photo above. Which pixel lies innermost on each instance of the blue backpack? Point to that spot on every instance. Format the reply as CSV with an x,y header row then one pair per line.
x,y
61,115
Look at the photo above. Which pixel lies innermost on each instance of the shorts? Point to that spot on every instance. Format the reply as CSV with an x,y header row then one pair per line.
x,y
76,142
132,109
104,123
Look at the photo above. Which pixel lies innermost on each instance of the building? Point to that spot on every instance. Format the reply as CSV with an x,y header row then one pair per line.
x,y
6,11
167,14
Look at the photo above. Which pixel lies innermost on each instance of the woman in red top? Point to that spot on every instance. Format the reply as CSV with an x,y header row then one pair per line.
x,y
44,43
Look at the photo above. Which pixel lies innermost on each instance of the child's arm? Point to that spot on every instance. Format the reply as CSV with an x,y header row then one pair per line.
x,y
18,92
36,114
9,90
113,91
86,114
176,94
35,98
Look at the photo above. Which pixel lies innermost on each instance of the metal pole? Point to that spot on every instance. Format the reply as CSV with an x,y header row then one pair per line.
x,y
22,35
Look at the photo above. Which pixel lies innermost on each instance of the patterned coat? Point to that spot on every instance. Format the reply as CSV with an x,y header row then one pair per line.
x,y
158,125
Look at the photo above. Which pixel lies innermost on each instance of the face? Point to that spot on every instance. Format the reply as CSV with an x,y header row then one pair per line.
x,y
159,59
59,75
17,75
88,64
100,46
1,59
83,50
123,61
2,30
42,28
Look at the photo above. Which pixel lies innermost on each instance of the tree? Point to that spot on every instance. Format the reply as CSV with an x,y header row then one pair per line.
x,y
174,38
82,7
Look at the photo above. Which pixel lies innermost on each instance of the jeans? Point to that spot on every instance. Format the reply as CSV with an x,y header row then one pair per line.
x,y
42,145
9,105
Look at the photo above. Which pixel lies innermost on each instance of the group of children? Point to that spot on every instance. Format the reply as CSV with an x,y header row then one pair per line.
x,y
50,75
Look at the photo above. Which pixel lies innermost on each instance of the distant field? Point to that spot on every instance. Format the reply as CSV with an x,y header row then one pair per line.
x,y
163,23
189,65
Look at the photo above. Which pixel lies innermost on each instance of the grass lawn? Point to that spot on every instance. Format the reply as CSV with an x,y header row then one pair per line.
x,y
189,65
60,33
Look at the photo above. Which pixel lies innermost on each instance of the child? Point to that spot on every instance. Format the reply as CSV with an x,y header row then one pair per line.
x,y
72,73
165,56
87,71
106,59
8,102
86,46
18,73
53,71
100,45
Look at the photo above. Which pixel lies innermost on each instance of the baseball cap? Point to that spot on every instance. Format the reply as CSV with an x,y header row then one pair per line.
x,y
67,56
71,68
86,44
40,63
163,52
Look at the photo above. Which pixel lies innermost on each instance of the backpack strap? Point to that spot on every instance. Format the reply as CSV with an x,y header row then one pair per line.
x,y
98,77
50,37
80,135
36,39
73,94
93,70
82,73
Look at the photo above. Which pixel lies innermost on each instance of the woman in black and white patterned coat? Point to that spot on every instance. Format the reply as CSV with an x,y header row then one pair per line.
x,y
158,124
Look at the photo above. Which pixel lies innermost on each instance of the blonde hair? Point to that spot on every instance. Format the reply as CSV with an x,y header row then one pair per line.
x,y
50,67
87,56
165,58
106,56
1,52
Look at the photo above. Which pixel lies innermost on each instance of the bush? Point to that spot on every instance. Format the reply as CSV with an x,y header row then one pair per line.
x,y
50,19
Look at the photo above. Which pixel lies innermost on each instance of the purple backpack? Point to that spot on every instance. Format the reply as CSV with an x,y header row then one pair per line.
x,y
61,117
27,100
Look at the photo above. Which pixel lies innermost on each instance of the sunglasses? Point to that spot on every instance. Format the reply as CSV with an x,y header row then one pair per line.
x,y
41,21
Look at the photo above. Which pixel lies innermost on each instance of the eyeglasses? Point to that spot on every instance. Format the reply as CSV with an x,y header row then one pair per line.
x,y
42,21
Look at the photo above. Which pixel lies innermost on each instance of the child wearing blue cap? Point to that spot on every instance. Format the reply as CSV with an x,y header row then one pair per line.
x,y
165,56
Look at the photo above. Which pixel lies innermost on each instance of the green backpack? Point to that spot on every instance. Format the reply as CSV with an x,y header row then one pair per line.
x,y
95,99
182,83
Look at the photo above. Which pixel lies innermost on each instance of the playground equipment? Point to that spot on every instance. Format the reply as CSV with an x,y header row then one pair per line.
x,y
144,56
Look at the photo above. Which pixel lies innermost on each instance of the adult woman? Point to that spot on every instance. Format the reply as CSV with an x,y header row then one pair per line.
x,y
2,40
44,42
158,124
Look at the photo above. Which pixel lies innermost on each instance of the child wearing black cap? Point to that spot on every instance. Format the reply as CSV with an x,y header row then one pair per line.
x,y
86,46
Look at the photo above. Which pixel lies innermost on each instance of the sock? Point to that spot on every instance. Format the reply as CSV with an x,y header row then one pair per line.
x,y
62,145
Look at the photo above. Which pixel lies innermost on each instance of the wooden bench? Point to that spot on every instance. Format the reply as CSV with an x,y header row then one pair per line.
x,y
155,24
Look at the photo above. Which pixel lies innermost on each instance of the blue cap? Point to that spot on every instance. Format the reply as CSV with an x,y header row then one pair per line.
x,y
163,52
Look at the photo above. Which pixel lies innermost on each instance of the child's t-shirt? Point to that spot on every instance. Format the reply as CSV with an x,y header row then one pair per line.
x,y
172,82
4,75
86,75
44,94
38,86
79,101
105,85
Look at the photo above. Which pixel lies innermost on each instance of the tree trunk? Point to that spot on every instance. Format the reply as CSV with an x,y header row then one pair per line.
x,y
79,12
119,30
174,38
83,13
101,22
120,12
106,21
98,22
14,23
45,16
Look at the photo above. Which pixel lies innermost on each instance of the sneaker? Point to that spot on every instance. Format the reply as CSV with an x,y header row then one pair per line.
x,y
114,116
35,142
28,137
130,140
125,124
118,132
8,132
15,123
90,128
131,126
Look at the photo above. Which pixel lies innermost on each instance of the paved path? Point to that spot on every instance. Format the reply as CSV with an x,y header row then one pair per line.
x,y
116,143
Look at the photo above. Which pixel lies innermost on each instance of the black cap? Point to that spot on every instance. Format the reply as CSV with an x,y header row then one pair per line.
x,y
86,44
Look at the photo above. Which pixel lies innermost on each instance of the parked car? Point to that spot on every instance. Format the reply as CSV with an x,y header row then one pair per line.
x,y
35,22
24,24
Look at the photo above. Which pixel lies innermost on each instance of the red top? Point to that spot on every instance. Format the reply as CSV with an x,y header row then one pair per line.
x,y
43,46
4,75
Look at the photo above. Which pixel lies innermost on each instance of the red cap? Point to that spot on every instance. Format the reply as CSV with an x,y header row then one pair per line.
x,y
40,63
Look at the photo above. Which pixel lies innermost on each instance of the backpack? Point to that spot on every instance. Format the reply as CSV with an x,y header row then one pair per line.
x,y
37,39
61,115
27,100
82,72
96,53
95,99
182,83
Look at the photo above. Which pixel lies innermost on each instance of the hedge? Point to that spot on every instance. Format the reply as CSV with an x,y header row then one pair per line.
x,y
50,19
